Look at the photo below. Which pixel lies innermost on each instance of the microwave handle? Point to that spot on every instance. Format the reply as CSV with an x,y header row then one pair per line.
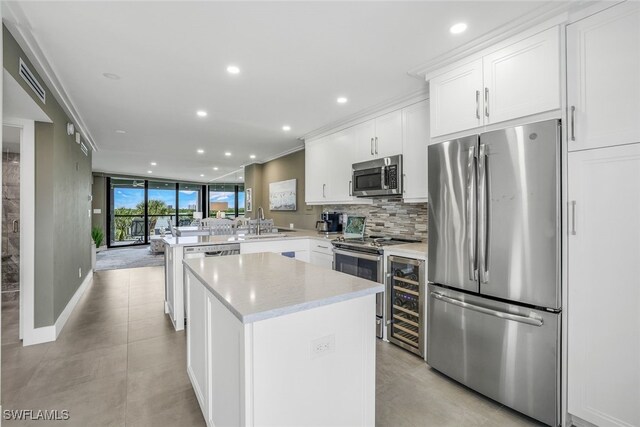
x,y
384,178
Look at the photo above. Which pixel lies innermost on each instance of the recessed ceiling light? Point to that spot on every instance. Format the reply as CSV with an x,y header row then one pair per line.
x,y
253,156
215,168
341,100
111,76
149,171
154,164
201,113
233,69
200,151
121,131
201,174
286,128
227,154
458,28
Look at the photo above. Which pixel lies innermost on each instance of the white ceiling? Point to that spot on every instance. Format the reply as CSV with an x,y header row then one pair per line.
x,y
295,59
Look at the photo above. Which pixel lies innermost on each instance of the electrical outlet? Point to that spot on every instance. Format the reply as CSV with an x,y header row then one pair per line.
x,y
80,272
291,226
323,346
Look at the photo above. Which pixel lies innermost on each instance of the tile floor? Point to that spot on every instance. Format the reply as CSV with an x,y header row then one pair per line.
x,y
119,362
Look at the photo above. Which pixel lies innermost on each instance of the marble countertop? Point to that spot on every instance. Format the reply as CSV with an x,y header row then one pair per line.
x,y
264,285
211,240
411,250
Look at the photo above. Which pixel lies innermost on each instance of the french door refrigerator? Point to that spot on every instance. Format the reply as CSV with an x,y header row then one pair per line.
x,y
494,300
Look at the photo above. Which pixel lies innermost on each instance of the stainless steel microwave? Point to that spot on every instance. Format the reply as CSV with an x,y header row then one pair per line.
x,y
380,177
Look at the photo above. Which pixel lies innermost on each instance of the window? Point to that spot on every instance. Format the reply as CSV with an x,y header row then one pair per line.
x,y
188,203
161,207
227,198
127,212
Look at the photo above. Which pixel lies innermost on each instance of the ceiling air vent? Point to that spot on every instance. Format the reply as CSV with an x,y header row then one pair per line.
x,y
28,77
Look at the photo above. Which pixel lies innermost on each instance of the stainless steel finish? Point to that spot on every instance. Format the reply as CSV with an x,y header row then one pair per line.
x,y
357,254
376,145
573,122
379,167
372,146
515,363
501,314
404,182
573,217
449,231
471,212
323,188
260,219
350,188
379,327
212,250
16,226
483,216
486,101
323,247
322,226
260,213
478,104
522,212
393,321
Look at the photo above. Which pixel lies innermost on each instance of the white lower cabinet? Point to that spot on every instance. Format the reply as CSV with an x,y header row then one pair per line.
x,y
604,285
321,254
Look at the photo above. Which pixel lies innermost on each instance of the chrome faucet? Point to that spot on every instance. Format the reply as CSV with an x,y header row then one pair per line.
x,y
260,218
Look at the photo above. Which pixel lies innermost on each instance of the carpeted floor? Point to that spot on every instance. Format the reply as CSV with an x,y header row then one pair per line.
x,y
118,258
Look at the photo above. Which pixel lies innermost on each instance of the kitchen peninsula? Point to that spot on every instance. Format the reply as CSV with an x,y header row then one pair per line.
x,y
276,341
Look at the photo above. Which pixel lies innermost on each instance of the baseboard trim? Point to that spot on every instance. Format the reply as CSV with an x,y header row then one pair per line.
x,y
71,305
40,335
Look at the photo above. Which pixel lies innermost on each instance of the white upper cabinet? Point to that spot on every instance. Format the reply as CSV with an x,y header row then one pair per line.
x,y
379,137
603,78
518,80
316,159
604,285
338,167
388,138
523,78
456,99
415,131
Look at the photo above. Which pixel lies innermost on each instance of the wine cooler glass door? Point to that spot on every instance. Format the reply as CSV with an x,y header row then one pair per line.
x,y
406,303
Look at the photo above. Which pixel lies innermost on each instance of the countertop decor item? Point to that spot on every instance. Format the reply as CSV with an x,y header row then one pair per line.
x,y
282,195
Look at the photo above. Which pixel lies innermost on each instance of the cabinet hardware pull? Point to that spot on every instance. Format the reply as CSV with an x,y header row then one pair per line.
x,y
323,186
376,145
350,187
478,104
372,146
486,101
573,122
573,218
16,226
404,182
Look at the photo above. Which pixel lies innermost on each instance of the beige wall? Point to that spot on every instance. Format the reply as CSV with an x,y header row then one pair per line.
x,y
258,177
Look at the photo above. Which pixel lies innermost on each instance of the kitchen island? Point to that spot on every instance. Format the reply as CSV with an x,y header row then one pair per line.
x,y
276,341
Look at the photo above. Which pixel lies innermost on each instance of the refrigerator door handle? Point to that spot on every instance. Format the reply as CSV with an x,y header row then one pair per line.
x,y
501,314
471,213
483,213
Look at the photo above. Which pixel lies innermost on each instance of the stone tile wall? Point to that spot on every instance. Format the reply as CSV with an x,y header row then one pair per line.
x,y
390,217
10,213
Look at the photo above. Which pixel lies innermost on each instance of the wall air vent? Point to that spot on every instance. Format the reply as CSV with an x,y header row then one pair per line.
x,y
84,149
28,77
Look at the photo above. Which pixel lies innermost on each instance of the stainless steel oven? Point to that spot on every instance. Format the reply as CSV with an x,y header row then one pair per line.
x,y
368,266
380,177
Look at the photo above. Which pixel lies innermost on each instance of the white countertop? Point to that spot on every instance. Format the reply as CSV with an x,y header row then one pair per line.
x,y
264,285
411,250
210,240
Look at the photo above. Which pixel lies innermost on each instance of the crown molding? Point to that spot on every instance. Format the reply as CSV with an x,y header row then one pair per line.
x,y
551,11
369,113
20,28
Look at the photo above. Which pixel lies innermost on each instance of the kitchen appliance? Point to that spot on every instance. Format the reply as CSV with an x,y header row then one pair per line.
x,y
380,177
363,257
405,303
333,221
494,293
322,226
205,251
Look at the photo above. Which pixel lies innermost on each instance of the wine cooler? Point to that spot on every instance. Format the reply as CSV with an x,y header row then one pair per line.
x,y
405,303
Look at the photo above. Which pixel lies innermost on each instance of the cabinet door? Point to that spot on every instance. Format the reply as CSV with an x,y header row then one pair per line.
x,y
338,166
523,78
456,99
364,135
604,285
603,83
388,139
415,138
315,175
322,260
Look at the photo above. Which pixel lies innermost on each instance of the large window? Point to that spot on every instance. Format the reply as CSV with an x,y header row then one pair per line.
x,y
227,198
127,212
161,207
188,202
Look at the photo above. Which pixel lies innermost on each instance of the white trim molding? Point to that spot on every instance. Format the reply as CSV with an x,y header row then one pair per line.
x,y
20,28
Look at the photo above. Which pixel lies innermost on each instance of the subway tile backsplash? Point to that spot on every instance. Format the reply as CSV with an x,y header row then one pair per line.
x,y
390,217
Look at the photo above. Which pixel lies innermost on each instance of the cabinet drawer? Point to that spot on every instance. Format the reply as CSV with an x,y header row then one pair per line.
x,y
322,247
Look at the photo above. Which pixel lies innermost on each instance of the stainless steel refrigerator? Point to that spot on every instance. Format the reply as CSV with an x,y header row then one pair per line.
x,y
494,300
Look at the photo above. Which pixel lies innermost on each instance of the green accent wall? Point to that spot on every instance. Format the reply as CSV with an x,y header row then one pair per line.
x,y
63,186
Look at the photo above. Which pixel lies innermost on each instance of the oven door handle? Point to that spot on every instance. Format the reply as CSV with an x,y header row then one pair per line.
x,y
357,254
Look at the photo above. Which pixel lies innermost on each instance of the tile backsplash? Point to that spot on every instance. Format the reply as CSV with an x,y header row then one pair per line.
x,y
390,217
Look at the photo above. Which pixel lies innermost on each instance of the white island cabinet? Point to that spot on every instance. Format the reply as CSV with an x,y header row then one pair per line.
x,y
273,341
